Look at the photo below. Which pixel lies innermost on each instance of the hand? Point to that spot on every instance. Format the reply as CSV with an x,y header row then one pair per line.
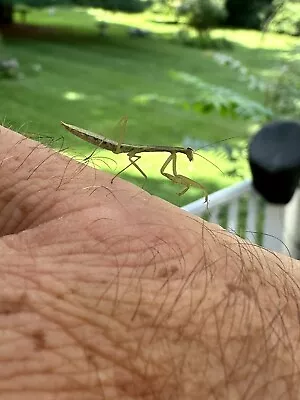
x,y
107,292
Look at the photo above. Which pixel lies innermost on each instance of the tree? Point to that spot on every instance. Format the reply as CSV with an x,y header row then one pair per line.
x,y
6,13
248,13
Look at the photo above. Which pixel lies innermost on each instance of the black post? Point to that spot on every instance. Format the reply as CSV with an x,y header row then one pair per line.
x,y
274,157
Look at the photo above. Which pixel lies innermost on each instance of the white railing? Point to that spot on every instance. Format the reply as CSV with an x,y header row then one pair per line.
x,y
241,210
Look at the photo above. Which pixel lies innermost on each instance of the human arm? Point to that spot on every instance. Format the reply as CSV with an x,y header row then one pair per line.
x,y
108,292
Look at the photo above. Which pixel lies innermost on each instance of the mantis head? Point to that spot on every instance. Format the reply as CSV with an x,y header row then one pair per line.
x,y
190,153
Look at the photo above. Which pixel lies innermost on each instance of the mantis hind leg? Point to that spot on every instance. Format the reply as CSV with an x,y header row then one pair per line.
x,y
133,159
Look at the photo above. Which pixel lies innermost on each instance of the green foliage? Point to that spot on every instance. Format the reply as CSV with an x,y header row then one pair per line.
x,y
223,100
210,98
287,19
248,13
282,92
252,82
206,14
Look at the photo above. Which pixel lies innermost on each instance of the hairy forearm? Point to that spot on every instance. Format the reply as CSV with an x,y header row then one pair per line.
x,y
221,324
107,292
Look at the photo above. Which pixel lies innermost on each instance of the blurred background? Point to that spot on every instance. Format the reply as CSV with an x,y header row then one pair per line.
x,y
199,73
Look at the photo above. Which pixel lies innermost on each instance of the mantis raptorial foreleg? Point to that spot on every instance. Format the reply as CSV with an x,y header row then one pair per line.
x,y
180,179
175,178
167,162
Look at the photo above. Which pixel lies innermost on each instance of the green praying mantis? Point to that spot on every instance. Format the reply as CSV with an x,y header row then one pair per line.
x,y
133,152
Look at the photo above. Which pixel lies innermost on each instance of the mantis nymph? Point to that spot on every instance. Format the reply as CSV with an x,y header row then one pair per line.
x,y
133,151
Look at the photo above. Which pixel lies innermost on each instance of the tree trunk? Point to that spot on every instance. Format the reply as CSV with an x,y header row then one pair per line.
x,y
6,13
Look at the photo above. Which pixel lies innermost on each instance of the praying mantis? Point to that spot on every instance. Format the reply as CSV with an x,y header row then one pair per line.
x,y
133,152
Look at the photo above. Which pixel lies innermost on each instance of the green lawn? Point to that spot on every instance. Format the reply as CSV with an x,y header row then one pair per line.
x,y
92,81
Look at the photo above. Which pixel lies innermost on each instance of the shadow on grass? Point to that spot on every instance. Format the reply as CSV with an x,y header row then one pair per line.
x,y
73,35
119,38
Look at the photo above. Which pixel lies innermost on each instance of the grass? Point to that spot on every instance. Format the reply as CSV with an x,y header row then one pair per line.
x,y
92,81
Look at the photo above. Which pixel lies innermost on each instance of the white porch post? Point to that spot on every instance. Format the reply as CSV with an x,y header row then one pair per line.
x,y
273,238
292,225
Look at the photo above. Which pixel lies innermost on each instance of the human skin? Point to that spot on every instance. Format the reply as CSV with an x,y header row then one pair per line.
x,y
107,292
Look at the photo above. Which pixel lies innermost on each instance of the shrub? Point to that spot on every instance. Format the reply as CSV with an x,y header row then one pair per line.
x,y
283,96
206,14
204,41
